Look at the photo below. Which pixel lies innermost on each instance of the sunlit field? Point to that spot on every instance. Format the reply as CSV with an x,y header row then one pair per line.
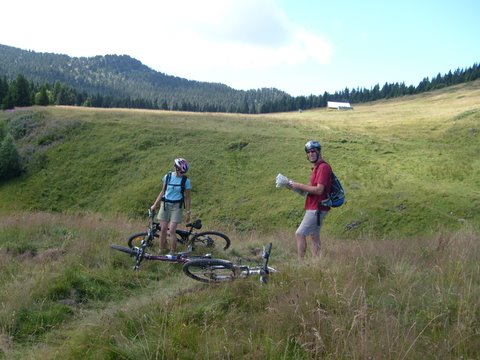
x,y
398,276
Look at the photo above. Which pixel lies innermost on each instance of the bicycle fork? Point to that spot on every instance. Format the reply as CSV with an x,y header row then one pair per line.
x,y
139,257
264,272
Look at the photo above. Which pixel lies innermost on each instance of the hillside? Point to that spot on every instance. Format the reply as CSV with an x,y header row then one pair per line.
x,y
398,277
120,76
402,162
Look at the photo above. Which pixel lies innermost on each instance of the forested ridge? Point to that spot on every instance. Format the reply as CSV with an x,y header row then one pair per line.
x,y
114,81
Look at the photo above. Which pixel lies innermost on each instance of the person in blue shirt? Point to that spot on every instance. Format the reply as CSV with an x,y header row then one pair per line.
x,y
175,195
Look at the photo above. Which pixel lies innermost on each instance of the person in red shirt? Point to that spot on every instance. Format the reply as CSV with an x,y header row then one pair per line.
x,y
317,190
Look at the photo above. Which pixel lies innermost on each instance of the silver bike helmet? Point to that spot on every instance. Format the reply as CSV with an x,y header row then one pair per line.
x,y
312,144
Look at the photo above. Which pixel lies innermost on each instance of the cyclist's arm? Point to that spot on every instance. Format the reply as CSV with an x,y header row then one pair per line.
x,y
314,190
320,176
188,199
159,198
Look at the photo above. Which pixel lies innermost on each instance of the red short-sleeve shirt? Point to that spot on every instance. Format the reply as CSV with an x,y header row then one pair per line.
x,y
321,174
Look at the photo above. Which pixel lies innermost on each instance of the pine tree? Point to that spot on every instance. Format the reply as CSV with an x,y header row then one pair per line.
x,y
41,97
3,88
22,91
9,99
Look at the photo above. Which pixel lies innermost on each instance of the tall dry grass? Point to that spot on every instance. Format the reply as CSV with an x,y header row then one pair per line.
x,y
70,297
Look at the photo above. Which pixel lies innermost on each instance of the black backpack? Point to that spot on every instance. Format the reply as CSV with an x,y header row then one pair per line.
x,y
182,189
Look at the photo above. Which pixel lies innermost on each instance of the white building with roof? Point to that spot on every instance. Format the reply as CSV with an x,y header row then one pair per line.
x,y
339,105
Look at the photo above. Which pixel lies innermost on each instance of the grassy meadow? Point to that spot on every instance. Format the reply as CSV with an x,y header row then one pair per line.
x,y
399,275
409,165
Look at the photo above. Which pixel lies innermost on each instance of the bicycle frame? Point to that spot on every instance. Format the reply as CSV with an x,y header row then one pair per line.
x,y
188,238
140,255
262,270
185,235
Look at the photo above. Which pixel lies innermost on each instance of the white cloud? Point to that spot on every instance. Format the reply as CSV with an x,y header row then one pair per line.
x,y
259,23
187,38
236,35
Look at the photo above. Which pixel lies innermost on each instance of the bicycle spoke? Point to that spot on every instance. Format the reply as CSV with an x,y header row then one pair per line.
x,y
210,270
211,239
136,240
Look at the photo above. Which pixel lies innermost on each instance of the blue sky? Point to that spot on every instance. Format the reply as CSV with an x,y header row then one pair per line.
x,y
300,46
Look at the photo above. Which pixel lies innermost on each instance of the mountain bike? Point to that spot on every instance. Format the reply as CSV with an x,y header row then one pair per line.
x,y
188,238
140,254
217,270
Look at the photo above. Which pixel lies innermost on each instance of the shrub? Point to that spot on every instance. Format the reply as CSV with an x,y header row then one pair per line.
x,y
9,158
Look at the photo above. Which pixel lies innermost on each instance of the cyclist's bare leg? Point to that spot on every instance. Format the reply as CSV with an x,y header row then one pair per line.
x,y
315,244
173,236
163,235
301,244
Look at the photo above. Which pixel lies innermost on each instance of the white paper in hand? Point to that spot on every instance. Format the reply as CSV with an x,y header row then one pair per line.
x,y
281,181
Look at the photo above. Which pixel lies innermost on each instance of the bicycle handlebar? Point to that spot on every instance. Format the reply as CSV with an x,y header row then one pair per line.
x,y
266,251
266,255
264,272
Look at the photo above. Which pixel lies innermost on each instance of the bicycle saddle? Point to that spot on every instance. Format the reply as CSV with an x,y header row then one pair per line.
x,y
197,224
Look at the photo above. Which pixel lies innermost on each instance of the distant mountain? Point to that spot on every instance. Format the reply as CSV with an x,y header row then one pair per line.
x,y
121,81
121,76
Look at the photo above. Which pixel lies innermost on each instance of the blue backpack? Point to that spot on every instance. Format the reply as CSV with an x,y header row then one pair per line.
x,y
336,196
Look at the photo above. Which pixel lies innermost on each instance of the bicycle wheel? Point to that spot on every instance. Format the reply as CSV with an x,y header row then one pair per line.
x,y
136,239
209,270
131,252
211,239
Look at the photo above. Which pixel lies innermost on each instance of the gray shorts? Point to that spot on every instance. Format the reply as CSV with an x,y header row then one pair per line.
x,y
170,212
309,225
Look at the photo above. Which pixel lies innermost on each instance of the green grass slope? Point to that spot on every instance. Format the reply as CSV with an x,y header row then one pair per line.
x,y
409,166
398,276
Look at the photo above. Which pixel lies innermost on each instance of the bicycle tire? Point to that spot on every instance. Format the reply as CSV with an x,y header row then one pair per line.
x,y
135,240
131,252
210,270
211,239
